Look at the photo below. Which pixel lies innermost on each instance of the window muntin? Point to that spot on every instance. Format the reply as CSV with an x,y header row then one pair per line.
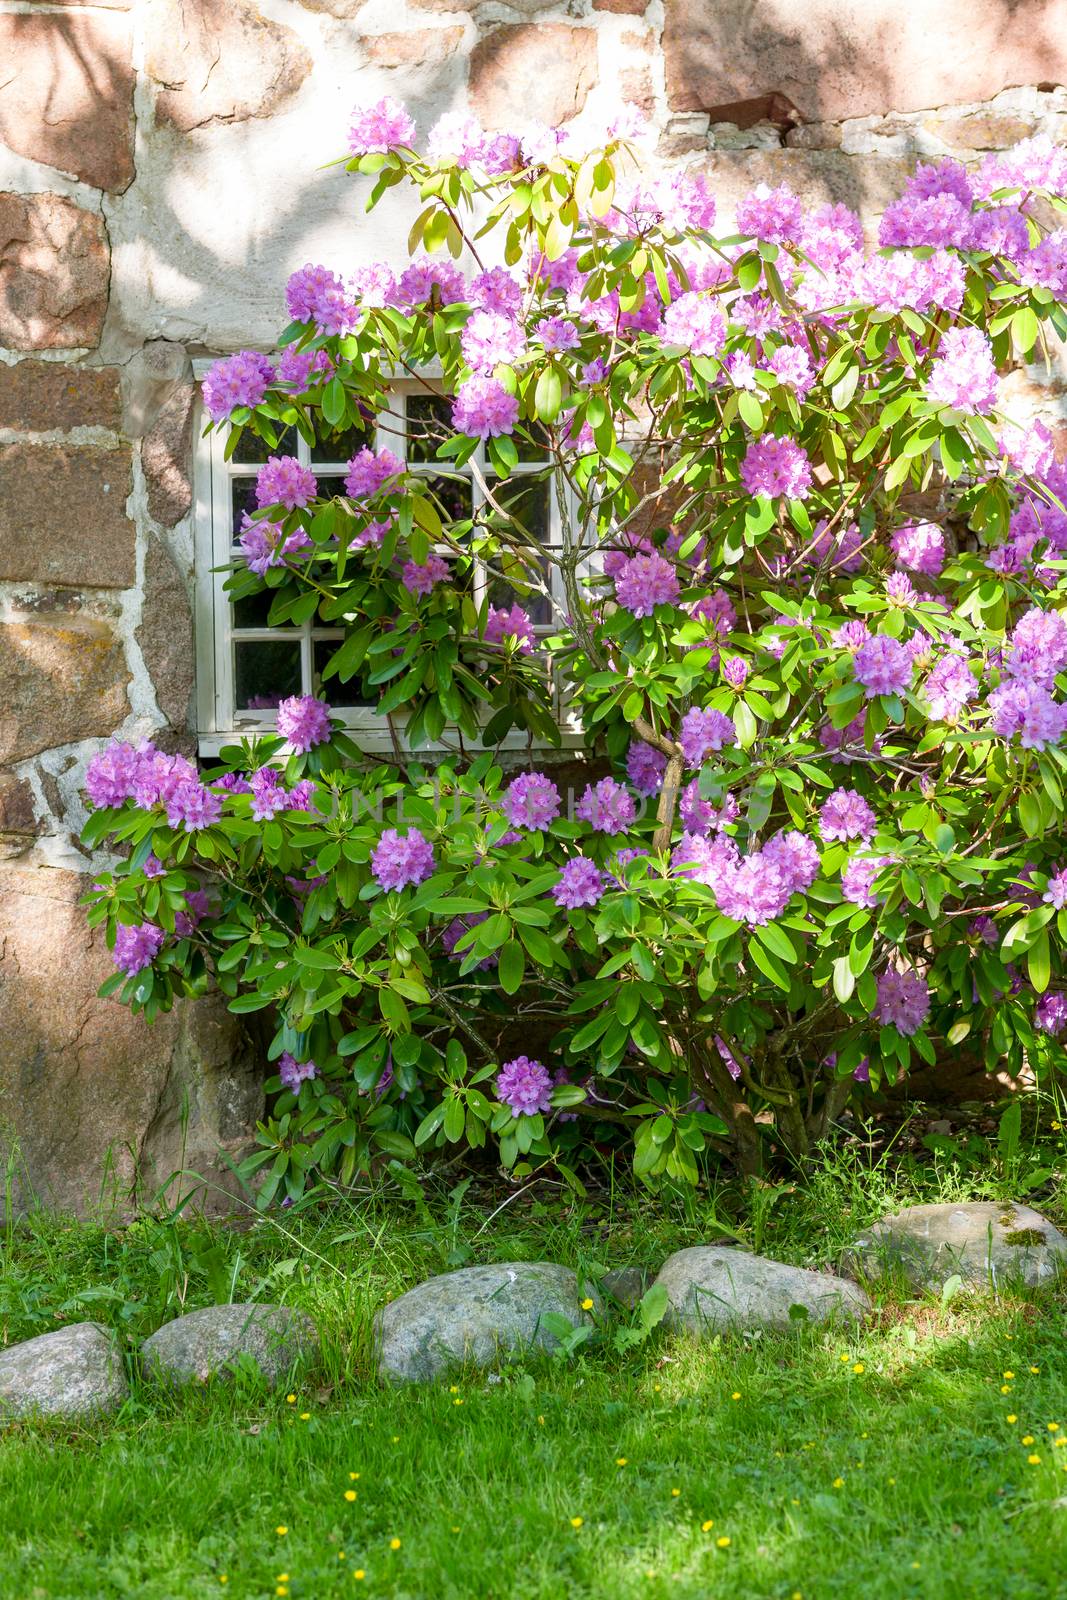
x,y
244,666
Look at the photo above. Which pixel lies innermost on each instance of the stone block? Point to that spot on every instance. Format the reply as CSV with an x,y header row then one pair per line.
x,y
219,61
166,456
165,634
96,1105
18,813
54,270
69,101
212,1342
516,73
73,1372
64,679
42,396
63,516
418,47
834,59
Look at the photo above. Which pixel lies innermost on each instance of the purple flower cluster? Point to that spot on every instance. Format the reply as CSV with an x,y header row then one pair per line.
x,y
531,801
694,323
1050,1013
883,665
645,767
607,806
301,368
857,877
903,1001
963,376
510,624
400,859
846,815
773,215
704,731
266,543
380,127
703,816
774,467
484,409
284,481
581,883
839,547
315,294
645,582
304,721
293,1072
1027,711
950,685
369,471
524,1086
490,339
238,380
150,778
921,547
752,889
136,947
420,577
1056,893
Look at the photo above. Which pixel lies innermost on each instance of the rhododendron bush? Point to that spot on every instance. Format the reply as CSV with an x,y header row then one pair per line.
x,y
806,609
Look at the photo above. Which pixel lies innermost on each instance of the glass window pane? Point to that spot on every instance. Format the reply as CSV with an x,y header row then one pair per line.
x,y
341,696
330,485
452,497
341,446
527,499
536,447
265,671
242,498
429,423
504,594
251,448
252,610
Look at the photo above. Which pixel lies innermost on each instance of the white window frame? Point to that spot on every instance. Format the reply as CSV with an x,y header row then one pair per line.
x,y
218,721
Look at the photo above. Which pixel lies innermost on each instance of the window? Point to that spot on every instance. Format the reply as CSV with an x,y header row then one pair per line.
x,y
245,667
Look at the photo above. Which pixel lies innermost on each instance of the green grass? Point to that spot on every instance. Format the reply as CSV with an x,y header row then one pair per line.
x,y
878,1464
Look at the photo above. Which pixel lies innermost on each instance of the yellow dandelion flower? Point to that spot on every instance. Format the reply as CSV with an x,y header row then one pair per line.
x,y
863,1436
290,1399
350,1495
281,1589
541,1420
723,1541
857,1366
891,1480
587,1304
576,1522
844,1357
394,1544
736,1395
1005,1388
915,1565
1057,1444
1009,1374
620,1461
1053,1427
305,1416
453,1388
281,1530
1055,1126
706,1527
1035,1369
359,1573
283,1577
1012,1417
455,1528
839,1483
675,1493
1028,1438
340,1555
458,1401
656,1387
396,1438
1033,1460
353,1476
794,1502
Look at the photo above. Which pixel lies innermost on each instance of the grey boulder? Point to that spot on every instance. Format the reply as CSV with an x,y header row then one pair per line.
x,y
983,1241
712,1287
213,1342
473,1316
74,1372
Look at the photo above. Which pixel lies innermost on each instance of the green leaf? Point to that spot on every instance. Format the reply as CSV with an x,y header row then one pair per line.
x,y
769,965
548,396
333,401
844,979
512,966
1038,962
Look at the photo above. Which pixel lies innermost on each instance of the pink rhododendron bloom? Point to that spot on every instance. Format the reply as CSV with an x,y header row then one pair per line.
x,y
401,859
284,481
963,375
510,624
304,722
776,467
484,409
645,582
525,1087
921,547
903,1001
380,127
240,380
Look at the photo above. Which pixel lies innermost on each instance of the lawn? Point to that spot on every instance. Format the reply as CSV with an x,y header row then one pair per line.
x,y
917,1457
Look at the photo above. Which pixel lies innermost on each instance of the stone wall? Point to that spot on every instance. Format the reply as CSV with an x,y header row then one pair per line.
x,y
159,179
